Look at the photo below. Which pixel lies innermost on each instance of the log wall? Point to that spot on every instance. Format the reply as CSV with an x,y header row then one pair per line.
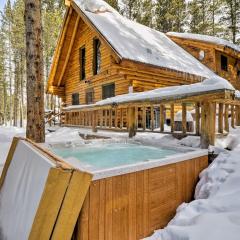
x,y
132,206
212,58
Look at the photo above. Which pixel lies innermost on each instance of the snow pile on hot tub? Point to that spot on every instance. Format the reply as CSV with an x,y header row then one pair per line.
x,y
215,214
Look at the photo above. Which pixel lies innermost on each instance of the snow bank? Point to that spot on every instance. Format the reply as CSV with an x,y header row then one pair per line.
x,y
206,38
232,141
215,214
139,43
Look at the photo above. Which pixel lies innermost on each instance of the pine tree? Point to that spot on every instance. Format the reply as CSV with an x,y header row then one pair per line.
x,y
7,33
131,9
163,15
113,3
35,83
18,46
232,19
146,16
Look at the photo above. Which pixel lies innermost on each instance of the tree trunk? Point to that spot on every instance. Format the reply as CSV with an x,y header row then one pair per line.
x,y
16,93
35,81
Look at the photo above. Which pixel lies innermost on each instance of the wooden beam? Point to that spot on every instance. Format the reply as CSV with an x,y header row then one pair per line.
x,y
121,118
136,117
162,118
116,118
197,116
184,118
110,118
131,122
152,118
237,115
220,118
226,122
208,120
144,118
69,50
172,117
94,121
232,116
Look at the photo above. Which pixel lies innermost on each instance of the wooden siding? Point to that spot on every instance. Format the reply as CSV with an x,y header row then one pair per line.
x,y
132,206
233,68
212,58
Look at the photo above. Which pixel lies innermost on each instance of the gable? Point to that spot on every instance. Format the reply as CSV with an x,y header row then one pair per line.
x,y
73,28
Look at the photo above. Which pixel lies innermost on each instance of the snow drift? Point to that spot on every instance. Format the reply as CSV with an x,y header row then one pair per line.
x,y
215,214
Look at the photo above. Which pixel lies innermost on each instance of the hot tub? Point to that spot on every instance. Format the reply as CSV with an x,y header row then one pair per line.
x,y
135,188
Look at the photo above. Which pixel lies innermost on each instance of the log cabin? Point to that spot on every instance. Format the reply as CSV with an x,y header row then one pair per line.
x,y
102,54
221,56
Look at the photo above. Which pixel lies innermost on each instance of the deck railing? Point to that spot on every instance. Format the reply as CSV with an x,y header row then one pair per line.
x,y
207,110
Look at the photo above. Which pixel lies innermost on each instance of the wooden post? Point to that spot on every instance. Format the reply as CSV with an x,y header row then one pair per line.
x,y
152,118
172,118
232,116
94,121
226,123
220,118
110,118
208,120
237,115
131,122
162,118
121,118
116,118
101,118
144,118
184,118
197,110
105,117
136,117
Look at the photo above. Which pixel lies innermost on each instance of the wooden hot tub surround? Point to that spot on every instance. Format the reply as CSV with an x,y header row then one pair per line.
x,y
133,205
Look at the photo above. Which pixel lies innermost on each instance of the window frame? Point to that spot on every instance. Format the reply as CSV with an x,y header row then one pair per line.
x,y
104,86
75,100
96,62
88,91
224,65
82,62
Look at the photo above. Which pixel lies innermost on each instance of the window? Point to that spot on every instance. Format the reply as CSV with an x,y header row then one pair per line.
x,y
224,63
75,99
108,90
89,96
201,55
96,56
82,60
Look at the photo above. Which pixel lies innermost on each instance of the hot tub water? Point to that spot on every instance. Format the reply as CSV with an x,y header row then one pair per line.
x,y
102,156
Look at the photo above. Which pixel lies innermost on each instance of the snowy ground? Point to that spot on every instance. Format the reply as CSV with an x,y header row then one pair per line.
x,y
215,214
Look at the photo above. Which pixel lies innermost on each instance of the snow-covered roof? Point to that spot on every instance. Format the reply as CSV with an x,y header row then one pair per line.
x,y
174,92
206,38
137,42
